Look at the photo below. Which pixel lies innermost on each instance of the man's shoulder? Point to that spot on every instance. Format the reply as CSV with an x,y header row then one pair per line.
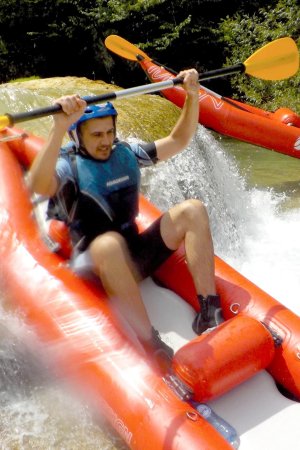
x,y
67,150
64,164
143,152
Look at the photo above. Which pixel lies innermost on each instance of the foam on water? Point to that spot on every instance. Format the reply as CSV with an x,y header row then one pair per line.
x,y
251,231
37,411
272,250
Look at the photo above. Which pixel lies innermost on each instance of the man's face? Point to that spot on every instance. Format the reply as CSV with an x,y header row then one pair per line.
x,y
97,137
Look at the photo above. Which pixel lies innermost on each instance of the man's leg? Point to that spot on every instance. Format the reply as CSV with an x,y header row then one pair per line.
x,y
120,278
188,222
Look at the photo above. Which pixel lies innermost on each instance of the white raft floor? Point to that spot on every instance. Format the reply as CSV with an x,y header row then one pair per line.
x,y
263,418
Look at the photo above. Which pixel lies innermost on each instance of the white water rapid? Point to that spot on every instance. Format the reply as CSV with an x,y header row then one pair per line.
x,y
251,230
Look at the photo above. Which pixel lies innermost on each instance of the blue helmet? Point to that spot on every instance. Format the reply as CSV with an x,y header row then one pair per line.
x,y
91,112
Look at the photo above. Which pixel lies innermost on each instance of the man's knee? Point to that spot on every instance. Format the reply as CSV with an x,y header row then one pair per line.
x,y
108,245
194,210
189,215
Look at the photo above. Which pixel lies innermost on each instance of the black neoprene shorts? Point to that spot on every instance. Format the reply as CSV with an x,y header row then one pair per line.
x,y
148,249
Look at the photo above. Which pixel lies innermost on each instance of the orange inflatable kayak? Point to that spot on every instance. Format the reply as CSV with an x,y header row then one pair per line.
x,y
279,131
257,345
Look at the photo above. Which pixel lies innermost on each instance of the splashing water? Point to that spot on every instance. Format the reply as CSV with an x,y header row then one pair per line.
x,y
250,229
36,412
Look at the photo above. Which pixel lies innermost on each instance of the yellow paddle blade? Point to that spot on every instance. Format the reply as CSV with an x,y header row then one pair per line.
x,y
124,48
275,61
4,122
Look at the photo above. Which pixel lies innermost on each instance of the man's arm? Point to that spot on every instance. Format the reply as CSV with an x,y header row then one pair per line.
x,y
41,176
187,123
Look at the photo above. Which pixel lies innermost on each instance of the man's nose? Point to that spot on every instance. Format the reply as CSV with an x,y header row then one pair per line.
x,y
105,139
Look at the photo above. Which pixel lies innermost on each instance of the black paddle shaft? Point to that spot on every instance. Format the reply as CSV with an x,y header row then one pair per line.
x,y
217,73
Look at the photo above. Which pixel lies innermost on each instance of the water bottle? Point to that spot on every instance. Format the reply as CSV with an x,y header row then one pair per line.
x,y
223,427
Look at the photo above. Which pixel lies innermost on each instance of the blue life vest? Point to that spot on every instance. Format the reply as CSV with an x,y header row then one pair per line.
x,y
101,196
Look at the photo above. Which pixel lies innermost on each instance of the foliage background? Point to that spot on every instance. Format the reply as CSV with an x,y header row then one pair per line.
x,y
49,38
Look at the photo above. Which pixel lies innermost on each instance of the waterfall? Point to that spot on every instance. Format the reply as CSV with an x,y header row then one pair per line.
x,y
251,231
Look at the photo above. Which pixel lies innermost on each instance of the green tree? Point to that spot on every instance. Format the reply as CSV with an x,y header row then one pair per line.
x,y
242,34
66,37
178,33
47,38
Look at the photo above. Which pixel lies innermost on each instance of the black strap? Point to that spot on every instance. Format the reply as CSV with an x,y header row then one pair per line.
x,y
73,165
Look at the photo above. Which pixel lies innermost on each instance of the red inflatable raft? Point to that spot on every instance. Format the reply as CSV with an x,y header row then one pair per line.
x,y
147,409
279,131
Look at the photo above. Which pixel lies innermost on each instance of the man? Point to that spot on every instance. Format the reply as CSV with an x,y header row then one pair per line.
x,y
93,185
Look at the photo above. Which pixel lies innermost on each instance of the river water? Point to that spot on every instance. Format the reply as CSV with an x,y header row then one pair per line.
x,y
253,199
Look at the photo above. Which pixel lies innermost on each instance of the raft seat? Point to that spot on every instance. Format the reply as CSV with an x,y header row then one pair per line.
x,y
214,363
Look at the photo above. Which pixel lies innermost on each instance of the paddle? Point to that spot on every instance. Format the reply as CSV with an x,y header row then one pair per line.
x,y
11,119
274,61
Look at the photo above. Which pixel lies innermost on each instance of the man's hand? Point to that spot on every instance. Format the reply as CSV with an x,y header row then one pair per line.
x,y
190,81
73,106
